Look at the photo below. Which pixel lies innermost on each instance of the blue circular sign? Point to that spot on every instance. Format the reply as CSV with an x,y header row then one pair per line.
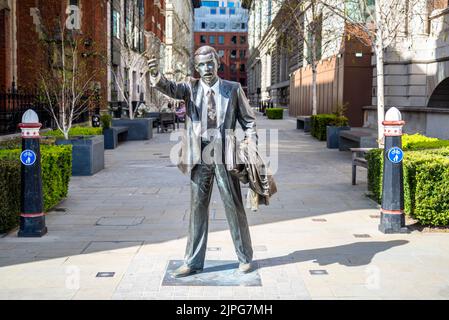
x,y
395,155
28,157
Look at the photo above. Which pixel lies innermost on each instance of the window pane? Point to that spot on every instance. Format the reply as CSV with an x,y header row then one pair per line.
x,y
209,3
234,39
213,11
212,39
242,39
231,11
221,39
231,4
221,53
222,10
202,39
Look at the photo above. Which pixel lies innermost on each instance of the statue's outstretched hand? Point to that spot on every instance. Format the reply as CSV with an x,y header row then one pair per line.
x,y
153,66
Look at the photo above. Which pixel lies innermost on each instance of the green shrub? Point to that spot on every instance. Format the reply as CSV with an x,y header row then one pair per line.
x,y
275,113
426,177
106,121
418,141
56,172
9,194
319,123
375,169
76,131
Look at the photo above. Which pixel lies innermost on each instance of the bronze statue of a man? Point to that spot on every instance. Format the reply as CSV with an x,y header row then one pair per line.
x,y
213,107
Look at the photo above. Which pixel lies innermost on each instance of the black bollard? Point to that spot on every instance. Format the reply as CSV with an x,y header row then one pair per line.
x,y
392,213
32,218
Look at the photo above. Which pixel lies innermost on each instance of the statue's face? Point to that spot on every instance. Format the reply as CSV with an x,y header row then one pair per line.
x,y
207,67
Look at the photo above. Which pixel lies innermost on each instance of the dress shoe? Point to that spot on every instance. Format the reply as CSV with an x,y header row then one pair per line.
x,y
245,267
184,271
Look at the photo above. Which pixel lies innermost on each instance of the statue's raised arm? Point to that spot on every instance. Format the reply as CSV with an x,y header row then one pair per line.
x,y
179,91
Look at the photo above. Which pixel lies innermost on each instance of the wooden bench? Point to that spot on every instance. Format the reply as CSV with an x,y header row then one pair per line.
x,y
357,138
303,123
114,135
358,159
167,119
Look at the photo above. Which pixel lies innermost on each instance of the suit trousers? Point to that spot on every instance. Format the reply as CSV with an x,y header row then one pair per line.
x,y
202,181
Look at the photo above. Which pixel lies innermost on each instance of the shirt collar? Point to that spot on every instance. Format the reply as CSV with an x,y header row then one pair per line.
x,y
215,87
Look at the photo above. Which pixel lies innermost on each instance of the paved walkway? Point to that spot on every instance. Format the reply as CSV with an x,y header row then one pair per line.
x,y
317,240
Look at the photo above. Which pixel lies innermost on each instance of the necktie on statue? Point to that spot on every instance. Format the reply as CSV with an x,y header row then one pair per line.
x,y
211,113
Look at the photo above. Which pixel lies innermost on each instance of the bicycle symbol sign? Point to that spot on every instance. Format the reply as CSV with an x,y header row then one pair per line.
x,y
395,155
28,157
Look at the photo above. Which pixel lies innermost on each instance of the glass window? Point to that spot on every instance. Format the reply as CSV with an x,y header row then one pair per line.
x,y
233,54
242,67
222,25
221,39
231,4
116,24
213,11
202,39
209,3
234,39
232,11
242,54
243,82
222,10
233,67
221,53
243,25
212,39
242,39
212,25
203,25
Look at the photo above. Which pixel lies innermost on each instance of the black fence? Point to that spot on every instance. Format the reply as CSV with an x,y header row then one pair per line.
x,y
13,105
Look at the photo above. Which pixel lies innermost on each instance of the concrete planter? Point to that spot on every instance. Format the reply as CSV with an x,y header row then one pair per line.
x,y
87,154
139,129
333,136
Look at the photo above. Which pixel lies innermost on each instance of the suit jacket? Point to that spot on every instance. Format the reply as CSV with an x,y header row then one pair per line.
x,y
234,108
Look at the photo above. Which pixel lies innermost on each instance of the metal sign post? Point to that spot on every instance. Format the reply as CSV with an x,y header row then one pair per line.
x,y
32,218
392,212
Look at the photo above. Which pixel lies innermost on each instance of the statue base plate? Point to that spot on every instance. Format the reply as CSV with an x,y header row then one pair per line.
x,y
215,273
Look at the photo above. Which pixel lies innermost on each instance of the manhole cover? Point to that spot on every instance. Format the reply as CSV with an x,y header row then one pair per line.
x,y
105,274
120,221
318,272
364,235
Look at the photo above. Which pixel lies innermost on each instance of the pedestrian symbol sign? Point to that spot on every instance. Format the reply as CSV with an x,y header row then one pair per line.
x,y
395,155
28,157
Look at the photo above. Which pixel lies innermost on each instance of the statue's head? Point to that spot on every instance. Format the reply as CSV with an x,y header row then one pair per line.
x,y
207,63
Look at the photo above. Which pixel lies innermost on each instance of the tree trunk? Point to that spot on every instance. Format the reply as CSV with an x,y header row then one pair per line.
x,y
380,96
314,89
130,94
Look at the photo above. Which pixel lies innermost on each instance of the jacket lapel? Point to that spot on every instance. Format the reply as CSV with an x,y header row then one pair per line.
x,y
224,93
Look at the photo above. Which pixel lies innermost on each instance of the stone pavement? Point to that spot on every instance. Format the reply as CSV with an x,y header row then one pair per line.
x,y
317,240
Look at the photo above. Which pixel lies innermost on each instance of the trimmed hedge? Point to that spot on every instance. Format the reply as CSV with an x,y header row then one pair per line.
x,y
426,178
56,172
76,131
319,123
419,142
275,113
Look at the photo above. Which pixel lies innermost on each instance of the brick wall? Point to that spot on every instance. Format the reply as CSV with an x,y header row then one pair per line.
x,y
5,50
